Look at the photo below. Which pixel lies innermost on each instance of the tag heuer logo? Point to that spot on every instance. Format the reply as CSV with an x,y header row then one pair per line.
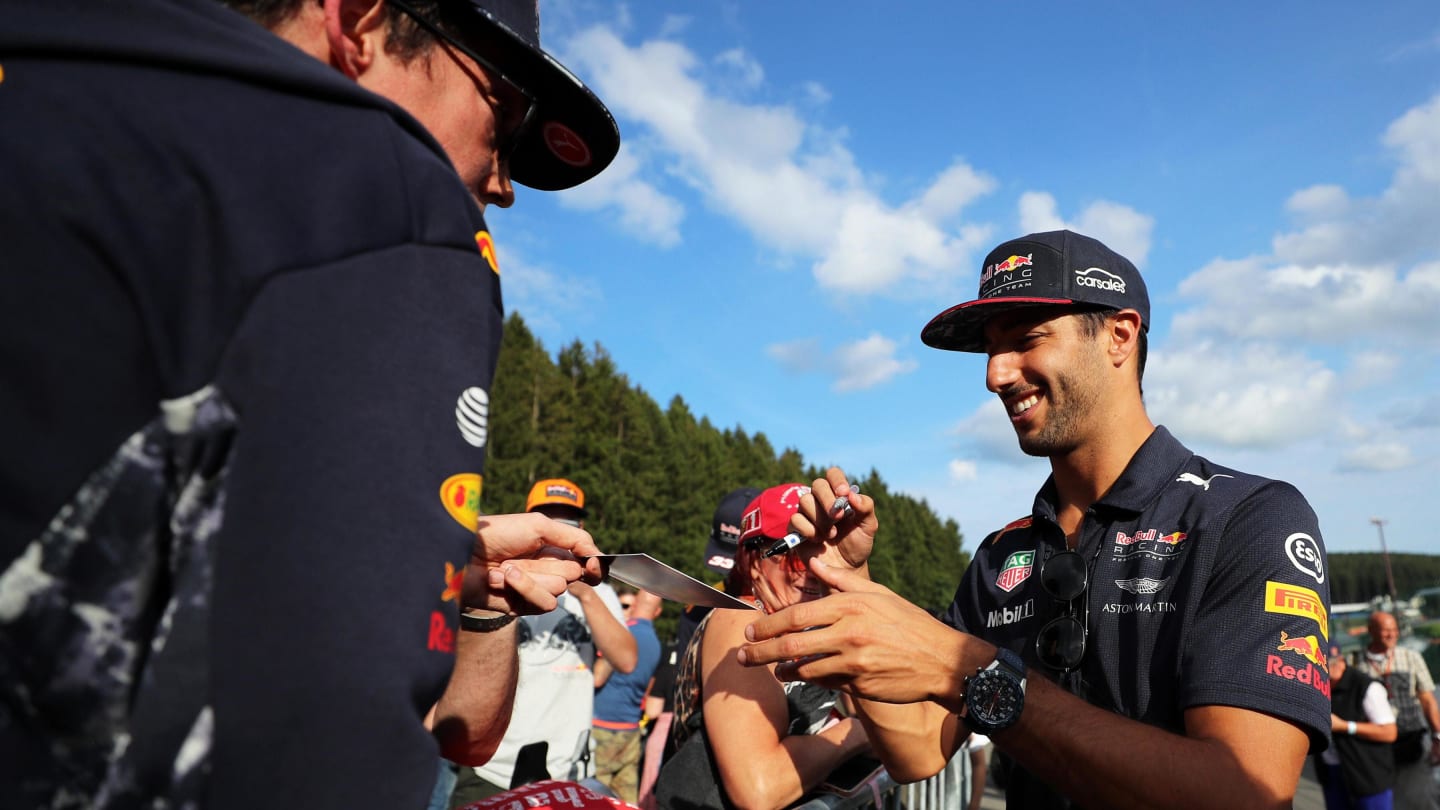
x,y
1016,570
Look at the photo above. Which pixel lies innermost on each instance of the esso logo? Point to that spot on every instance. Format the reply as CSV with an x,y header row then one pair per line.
x,y
1305,555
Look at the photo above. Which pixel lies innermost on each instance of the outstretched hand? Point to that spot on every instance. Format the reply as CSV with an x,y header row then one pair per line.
x,y
520,564
867,641
848,536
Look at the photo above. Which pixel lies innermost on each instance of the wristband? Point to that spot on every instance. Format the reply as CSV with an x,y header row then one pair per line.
x,y
1350,728
477,623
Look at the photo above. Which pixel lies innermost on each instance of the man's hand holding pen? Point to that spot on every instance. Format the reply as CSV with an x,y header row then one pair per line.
x,y
837,515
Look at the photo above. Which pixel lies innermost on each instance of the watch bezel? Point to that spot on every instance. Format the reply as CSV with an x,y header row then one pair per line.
x,y
1000,675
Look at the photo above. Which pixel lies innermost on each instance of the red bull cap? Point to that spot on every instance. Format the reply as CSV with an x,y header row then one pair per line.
x,y
1043,269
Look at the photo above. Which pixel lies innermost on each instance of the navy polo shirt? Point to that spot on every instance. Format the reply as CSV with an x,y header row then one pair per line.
x,y
1207,586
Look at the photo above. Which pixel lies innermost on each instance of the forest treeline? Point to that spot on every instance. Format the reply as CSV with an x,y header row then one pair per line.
x,y
1360,576
652,476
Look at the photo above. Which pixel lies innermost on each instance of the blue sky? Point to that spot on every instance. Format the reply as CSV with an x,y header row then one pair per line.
x,y
803,185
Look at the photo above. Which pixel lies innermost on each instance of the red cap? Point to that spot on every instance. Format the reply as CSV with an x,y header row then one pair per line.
x,y
769,514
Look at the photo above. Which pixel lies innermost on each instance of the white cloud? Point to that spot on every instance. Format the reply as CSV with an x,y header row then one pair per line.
x,y
1370,368
815,93
546,298
1396,226
868,363
962,470
1377,457
794,186
1123,229
1240,395
799,356
855,366
746,69
641,209
987,433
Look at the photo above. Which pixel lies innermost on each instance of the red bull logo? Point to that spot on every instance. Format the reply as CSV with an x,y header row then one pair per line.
x,y
1022,523
1310,675
1306,646
1012,263
1149,535
454,579
441,637
487,249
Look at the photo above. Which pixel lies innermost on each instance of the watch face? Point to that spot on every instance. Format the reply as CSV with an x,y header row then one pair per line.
x,y
994,698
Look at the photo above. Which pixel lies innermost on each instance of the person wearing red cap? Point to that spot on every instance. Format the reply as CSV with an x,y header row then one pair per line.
x,y
238,581
770,742
1150,635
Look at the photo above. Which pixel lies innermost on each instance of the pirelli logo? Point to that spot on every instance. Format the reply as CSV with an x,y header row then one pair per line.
x,y
1294,600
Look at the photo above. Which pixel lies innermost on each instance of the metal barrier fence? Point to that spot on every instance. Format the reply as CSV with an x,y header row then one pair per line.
x,y
947,790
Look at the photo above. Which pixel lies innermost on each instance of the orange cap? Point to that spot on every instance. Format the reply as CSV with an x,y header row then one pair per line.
x,y
556,491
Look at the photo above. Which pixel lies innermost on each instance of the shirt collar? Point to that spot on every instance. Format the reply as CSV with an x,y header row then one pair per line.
x,y
1153,467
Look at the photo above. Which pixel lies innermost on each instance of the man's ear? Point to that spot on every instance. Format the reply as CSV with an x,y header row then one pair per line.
x,y
355,30
1124,336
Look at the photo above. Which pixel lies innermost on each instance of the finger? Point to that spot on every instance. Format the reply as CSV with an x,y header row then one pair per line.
x,y
843,580
573,539
527,594
787,647
802,525
825,670
795,618
568,570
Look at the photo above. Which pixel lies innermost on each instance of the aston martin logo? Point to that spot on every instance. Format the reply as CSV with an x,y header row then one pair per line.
x,y
1141,584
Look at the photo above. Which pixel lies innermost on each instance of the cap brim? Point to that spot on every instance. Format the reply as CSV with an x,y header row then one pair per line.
x,y
571,136
961,328
719,557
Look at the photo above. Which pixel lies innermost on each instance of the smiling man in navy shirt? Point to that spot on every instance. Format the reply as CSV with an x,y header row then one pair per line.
x,y
1150,635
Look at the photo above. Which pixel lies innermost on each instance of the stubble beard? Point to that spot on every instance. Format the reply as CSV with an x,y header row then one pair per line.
x,y
1072,398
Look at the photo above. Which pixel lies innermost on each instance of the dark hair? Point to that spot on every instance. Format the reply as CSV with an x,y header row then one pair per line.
x,y
737,582
405,39
1093,318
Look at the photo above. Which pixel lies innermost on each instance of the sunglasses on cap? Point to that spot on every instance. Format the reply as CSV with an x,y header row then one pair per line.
x,y
789,558
1060,644
505,141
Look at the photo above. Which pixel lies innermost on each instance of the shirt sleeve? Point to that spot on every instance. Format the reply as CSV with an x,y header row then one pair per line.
x,y
1377,704
612,601
1259,632
1423,681
349,518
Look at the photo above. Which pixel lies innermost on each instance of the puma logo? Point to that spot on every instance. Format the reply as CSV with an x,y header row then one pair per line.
x,y
1203,483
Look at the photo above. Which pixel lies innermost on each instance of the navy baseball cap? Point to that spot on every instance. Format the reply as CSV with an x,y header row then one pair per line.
x,y
571,135
1042,269
725,529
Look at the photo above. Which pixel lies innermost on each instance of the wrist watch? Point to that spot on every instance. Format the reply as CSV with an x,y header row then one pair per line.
x,y
477,623
995,695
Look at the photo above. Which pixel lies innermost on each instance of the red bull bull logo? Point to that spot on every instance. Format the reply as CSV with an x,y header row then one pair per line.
x,y
1148,543
454,579
1012,263
1312,674
1009,265
1022,523
1306,646
487,249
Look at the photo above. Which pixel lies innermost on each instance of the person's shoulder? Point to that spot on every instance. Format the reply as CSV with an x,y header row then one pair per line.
x,y
1018,528
1228,485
